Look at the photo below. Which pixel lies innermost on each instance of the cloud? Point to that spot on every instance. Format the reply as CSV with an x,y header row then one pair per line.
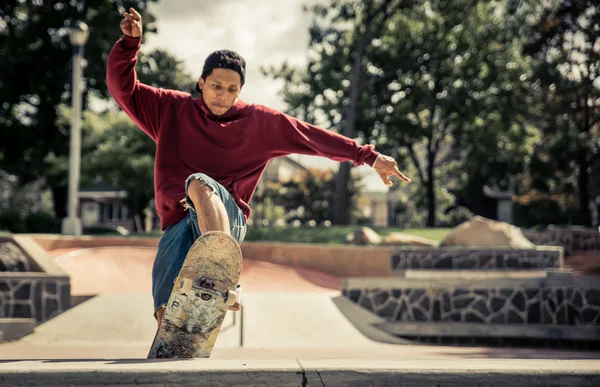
x,y
264,32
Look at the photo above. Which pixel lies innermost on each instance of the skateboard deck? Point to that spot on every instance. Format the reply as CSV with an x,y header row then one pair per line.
x,y
201,296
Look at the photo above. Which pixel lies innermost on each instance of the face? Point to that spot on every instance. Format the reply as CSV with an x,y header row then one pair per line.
x,y
220,90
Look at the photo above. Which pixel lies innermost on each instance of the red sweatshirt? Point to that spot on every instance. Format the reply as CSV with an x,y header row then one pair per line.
x,y
233,148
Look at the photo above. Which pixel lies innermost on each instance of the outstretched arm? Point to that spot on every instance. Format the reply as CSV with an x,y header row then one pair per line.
x,y
141,102
290,135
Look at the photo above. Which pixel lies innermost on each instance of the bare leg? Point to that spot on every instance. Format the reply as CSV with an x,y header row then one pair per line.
x,y
159,314
212,215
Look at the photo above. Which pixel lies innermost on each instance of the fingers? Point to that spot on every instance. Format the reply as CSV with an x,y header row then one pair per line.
x,y
401,176
135,14
387,168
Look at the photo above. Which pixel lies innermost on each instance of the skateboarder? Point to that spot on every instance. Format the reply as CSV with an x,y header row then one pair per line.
x,y
211,151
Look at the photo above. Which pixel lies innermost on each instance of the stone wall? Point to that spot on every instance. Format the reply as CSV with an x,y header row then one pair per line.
x,y
31,296
482,299
477,258
40,290
572,239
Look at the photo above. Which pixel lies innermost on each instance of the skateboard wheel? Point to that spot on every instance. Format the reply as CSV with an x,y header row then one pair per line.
x,y
185,285
238,292
231,298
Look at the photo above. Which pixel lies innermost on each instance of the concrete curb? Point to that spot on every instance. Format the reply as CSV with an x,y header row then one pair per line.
x,y
298,372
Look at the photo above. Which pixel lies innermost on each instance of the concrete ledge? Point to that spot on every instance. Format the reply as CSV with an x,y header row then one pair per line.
x,y
450,329
39,257
338,261
474,258
299,372
472,279
15,328
57,241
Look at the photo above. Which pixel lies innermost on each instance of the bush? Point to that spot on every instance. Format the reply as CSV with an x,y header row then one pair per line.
x,y
540,212
11,221
456,216
41,222
32,222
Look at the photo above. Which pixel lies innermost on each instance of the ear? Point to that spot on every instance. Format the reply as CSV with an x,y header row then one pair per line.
x,y
201,83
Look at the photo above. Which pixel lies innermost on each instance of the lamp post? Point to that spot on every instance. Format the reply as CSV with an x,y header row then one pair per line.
x,y
71,225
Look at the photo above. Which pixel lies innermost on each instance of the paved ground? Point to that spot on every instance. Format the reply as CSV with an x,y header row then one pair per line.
x,y
295,331
275,326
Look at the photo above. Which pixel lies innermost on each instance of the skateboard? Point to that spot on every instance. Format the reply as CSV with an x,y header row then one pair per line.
x,y
201,296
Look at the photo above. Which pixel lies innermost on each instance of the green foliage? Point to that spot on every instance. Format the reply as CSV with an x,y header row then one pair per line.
x,y
539,212
11,220
41,222
309,196
565,43
456,216
160,69
35,74
115,153
443,85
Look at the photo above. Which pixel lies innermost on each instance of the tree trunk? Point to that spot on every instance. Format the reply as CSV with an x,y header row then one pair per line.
x,y
430,186
584,195
59,197
341,215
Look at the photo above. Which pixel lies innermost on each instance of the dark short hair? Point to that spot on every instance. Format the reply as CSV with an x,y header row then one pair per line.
x,y
224,59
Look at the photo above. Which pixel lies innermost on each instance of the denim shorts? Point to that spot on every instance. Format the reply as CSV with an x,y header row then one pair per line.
x,y
178,239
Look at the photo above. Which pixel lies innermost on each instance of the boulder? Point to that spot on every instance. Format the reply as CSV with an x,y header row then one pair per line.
x,y
401,239
363,236
482,232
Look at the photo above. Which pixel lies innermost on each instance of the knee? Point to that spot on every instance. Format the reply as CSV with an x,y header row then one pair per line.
x,y
199,188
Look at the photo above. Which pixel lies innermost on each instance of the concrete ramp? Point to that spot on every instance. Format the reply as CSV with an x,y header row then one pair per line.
x,y
129,269
270,320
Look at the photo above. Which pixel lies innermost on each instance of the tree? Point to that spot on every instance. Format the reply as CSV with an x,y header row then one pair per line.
x,y
334,85
115,151
565,41
433,74
161,69
122,157
35,78
308,196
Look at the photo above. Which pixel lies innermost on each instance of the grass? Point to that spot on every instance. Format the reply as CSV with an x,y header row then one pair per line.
x,y
320,235
331,235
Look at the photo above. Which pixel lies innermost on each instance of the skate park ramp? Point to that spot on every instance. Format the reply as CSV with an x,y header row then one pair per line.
x,y
283,308
129,269
286,311
294,329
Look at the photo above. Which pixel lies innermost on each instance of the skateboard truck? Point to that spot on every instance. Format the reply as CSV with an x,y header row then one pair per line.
x,y
207,291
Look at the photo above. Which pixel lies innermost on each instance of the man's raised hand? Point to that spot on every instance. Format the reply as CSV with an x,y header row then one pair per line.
x,y
386,166
131,25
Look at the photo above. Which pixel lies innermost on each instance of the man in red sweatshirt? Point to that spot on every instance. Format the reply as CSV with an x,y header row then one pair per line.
x,y
211,151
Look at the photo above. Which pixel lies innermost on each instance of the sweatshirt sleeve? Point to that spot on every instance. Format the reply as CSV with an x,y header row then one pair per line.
x,y
141,102
290,135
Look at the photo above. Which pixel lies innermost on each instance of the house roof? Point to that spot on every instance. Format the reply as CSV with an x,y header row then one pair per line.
x,y
293,163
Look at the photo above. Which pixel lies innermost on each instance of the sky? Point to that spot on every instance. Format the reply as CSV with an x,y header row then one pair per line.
x,y
264,32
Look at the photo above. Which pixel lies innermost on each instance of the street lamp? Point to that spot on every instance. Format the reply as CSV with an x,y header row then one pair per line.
x,y
71,225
